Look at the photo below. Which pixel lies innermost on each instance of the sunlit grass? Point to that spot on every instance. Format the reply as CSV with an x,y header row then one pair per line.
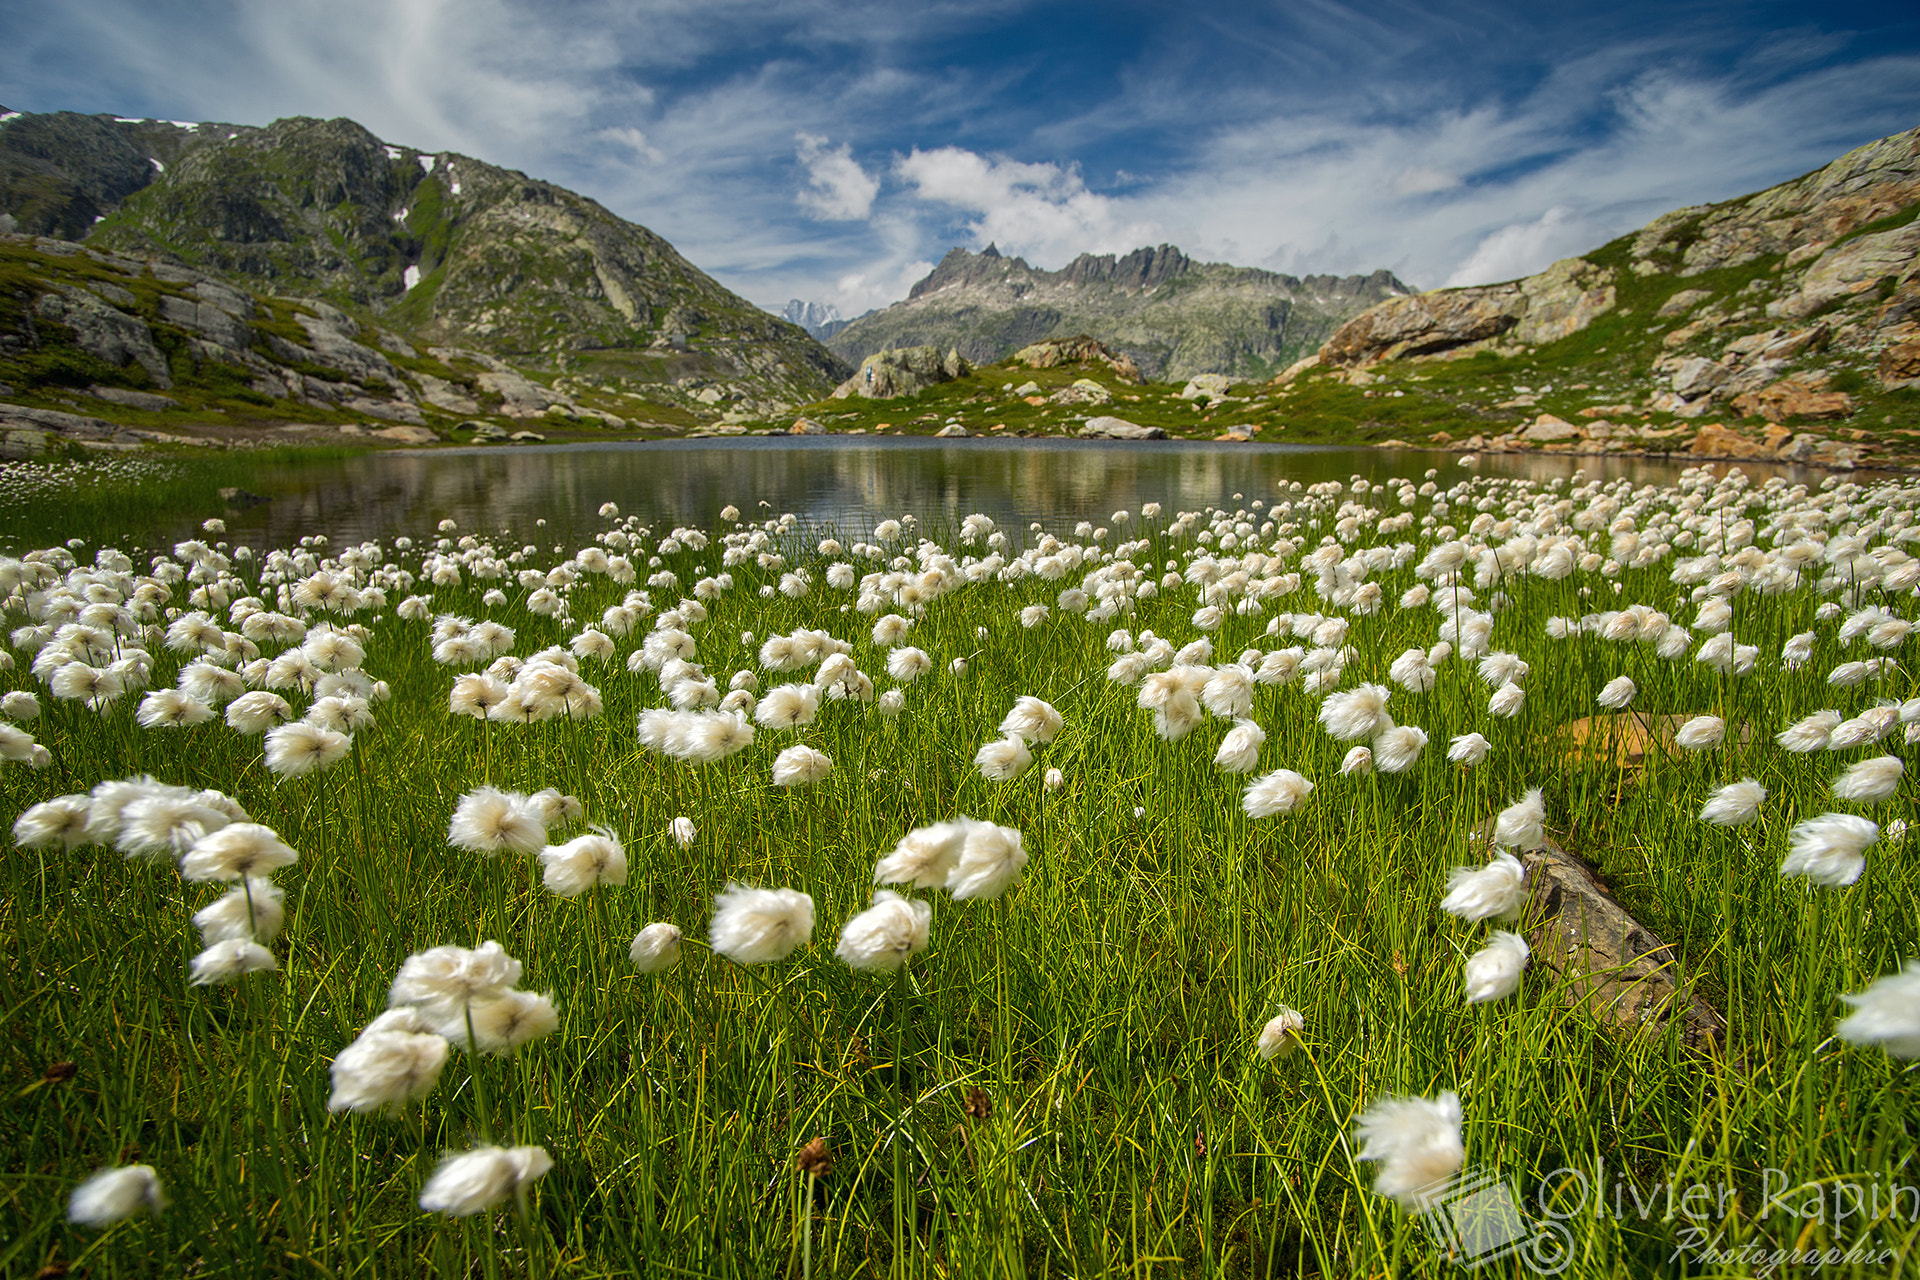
x,y
1065,1082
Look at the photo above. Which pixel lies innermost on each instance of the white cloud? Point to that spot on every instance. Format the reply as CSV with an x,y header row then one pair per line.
x,y
635,140
1522,248
837,187
1041,211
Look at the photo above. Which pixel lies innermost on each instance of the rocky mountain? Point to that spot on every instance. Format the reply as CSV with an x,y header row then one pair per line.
x,y
1796,304
1175,317
442,247
821,319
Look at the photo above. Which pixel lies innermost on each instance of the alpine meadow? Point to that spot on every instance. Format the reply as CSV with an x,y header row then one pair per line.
x,y
1201,893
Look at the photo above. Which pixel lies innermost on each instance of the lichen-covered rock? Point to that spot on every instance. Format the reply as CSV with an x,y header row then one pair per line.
x,y
104,331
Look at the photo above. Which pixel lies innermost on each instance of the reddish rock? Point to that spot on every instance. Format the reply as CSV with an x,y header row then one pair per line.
x,y
1789,398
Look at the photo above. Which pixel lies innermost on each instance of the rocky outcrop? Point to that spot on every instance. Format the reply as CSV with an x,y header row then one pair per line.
x,y
1108,428
1079,349
887,374
1172,316
1791,398
1561,300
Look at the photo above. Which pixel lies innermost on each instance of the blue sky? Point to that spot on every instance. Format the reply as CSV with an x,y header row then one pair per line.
x,y
832,150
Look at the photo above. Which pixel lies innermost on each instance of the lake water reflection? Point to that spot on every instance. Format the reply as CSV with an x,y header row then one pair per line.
x,y
831,483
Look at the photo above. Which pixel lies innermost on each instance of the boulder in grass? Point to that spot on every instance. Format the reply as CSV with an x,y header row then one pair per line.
x,y
1109,428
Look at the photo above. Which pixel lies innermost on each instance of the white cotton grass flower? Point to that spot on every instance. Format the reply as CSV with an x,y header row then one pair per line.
x,y
1417,1142
1240,749
1870,781
1359,712
229,959
787,706
1503,668
881,938
61,821
444,979
1004,760
1618,693
1507,701
1281,1035
505,1020
1281,791
1228,692
114,1195
300,748
1053,780
800,766
385,1070
1701,733
164,822
655,948
257,711
760,926
256,910
907,664
1468,749
991,860
584,862
1412,672
924,857
473,1182
892,703
1358,763
1887,1014
1522,824
1032,720
1494,891
554,809
1735,804
1396,750
488,820
237,851
1493,972
1810,733
682,832
1829,850
171,709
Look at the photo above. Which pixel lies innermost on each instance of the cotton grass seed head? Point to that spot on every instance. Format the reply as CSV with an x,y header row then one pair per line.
x,y
1033,720
1417,1142
991,860
1870,781
800,766
1281,1035
1734,804
1887,1014
1468,749
1004,760
235,852
488,820
655,948
760,926
1522,824
255,910
584,862
384,1071
1494,891
1281,791
1493,972
224,961
1829,850
473,1182
881,938
114,1195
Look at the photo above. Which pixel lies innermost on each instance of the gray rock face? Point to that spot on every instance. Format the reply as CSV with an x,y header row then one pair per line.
x,y
1698,376
903,372
223,328
1173,316
104,331
133,399
1109,428
1206,386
